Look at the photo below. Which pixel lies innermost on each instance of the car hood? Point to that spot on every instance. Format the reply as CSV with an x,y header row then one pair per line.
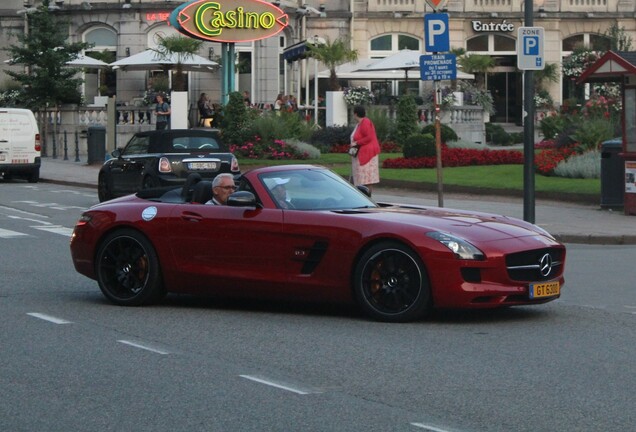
x,y
476,226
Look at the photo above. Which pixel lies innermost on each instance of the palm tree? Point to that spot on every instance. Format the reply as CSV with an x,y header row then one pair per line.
x,y
478,64
184,48
333,54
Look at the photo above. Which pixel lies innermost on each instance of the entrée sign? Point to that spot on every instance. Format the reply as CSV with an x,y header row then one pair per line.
x,y
229,20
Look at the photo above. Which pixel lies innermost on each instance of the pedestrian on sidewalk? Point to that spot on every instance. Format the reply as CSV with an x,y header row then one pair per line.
x,y
163,112
365,162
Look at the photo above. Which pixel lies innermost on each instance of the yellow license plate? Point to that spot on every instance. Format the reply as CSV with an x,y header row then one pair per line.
x,y
544,289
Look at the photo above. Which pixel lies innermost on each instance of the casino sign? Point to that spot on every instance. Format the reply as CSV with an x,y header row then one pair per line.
x,y
229,20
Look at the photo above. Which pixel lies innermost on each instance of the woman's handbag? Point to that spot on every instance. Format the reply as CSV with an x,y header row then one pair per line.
x,y
353,151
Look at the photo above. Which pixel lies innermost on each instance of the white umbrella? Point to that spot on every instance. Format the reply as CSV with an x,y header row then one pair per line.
x,y
357,71
404,60
150,59
87,62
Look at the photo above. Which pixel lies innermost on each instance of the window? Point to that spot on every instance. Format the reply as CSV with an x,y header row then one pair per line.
x,y
137,145
393,43
382,43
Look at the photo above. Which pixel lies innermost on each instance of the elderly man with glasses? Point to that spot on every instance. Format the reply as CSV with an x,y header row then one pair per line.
x,y
222,187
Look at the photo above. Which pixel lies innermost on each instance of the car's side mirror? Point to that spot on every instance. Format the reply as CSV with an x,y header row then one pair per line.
x,y
116,153
365,190
242,199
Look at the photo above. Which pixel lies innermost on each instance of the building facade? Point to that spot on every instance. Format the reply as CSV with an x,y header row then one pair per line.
x,y
376,28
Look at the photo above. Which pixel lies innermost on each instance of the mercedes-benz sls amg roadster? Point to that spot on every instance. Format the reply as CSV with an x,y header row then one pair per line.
x,y
303,232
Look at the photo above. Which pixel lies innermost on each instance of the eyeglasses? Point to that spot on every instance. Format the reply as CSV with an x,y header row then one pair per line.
x,y
227,187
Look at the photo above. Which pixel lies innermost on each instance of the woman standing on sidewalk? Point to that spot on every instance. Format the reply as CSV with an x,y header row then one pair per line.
x,y
365,166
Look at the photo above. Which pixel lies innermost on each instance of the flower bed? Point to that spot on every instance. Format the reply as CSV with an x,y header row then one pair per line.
x,y
256,149
546,161
455,157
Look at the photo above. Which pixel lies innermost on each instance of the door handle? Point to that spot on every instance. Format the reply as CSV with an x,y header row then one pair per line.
x,y
191,217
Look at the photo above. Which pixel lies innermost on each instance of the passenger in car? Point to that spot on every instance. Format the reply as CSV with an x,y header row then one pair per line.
x,y
279,191
222,187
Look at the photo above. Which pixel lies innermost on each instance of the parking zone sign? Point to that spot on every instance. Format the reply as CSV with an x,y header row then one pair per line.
x,y
530,41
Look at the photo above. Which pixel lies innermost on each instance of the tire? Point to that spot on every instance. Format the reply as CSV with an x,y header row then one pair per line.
x,y
128,269
103,193
34,176
391,284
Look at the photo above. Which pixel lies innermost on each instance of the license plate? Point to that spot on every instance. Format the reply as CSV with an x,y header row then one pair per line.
x,y
544,289
202,165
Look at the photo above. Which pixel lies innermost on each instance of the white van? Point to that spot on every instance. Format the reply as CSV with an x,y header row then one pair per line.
x,y
19,144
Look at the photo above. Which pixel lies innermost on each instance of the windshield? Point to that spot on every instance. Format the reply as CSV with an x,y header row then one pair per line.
x,y
313,189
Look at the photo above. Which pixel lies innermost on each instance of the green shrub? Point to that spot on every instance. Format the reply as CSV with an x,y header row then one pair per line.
x,y
419,145
447,133
284,125
235,120
586,165
406,124
592,132
331,136
551,126
496,135
516,137
384,125
304,148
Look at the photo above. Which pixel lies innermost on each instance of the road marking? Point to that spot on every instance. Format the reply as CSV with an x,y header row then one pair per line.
x,y
143,347
49,318
11,234
280,385
430,427
56,229
22,212
54,206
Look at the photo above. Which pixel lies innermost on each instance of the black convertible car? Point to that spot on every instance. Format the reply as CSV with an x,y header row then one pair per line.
x,y
164,158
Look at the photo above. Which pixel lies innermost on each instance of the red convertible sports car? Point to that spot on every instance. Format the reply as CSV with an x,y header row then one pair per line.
x,y
301,231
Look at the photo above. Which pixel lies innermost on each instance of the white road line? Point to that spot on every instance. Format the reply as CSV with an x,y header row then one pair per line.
x,y
143,347
30,220
279,385
56,229
49,318
429,427
11,234
14,210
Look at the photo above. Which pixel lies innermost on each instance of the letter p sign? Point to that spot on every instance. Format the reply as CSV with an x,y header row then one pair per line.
x,y
531,45
436,37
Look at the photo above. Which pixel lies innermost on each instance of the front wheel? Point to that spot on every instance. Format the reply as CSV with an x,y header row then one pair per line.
x,y
128,270
103,193
391,284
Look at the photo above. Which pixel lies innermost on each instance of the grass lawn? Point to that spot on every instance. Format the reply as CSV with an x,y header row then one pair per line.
x,y
508,177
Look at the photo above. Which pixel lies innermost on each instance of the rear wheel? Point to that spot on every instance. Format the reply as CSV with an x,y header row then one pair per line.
x,y
34,176
103,193
391,283
128,269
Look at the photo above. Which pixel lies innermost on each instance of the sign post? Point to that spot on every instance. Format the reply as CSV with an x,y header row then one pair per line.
x,y
434,68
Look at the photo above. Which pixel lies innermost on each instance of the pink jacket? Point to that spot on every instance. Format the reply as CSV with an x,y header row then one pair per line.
x,y
366,140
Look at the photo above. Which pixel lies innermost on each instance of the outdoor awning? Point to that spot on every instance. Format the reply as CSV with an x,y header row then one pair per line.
x,y
297,51
613,66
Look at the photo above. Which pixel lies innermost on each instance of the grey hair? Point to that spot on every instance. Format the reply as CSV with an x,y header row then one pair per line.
x,y
217,180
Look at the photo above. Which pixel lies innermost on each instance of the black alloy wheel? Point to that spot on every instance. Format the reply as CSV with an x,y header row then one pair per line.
x,y
391,284
103,193
128,270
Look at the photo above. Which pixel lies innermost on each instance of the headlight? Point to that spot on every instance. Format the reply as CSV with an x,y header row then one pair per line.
x,y
460,247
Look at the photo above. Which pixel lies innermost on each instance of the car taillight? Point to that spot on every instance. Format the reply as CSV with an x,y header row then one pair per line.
x,y
164,165
235,165
38,144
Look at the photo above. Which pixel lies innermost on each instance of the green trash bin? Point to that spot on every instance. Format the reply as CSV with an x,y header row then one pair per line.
x,y
96,142
612,174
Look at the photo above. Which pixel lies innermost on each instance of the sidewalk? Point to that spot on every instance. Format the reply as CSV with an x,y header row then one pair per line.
x,y
569,222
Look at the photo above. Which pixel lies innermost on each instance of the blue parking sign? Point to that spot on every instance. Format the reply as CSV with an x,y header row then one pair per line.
x,y
530,41
436,34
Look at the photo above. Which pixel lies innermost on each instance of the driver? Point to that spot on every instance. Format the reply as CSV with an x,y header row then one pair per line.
x,y
222,187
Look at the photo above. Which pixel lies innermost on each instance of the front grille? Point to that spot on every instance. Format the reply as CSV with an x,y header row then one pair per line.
x,y
536,265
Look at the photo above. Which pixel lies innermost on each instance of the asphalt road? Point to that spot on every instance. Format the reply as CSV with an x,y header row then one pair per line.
x,y
70,361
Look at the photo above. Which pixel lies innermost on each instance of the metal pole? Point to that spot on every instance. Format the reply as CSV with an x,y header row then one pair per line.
x,y
528,131
65,146
438,144
77,159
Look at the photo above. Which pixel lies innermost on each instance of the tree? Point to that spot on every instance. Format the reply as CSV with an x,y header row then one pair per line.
x,y
44,51
235,119
333,54
406,122
184,48
478,64
619,39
